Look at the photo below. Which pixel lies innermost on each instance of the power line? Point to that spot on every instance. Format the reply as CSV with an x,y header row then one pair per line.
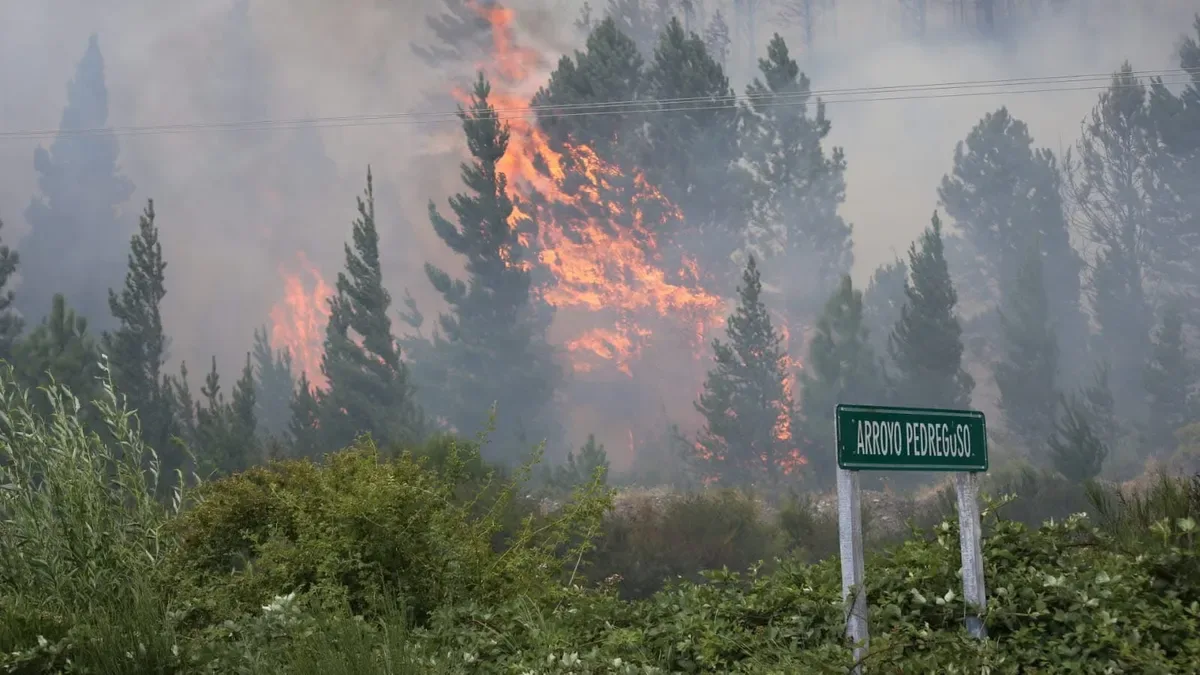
x,y
965,88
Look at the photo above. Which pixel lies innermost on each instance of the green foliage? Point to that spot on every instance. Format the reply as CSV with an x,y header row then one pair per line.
x,y
11,323
1076,451
841,368
491,348
369,388
883,301
1028,374
798,187
82,533
303,429
592,461
1003,194
1169,377
274,385
59,350
750,424
357,525
646,544
925,345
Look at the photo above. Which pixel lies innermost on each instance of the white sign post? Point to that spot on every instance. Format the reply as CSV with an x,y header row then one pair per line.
x,y
881,438
853,568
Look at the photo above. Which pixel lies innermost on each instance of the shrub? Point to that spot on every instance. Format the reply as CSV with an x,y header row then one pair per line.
x,y
647,544
359,524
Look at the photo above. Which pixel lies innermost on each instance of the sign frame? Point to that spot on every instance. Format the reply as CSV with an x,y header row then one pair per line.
x,y
850,534
969,417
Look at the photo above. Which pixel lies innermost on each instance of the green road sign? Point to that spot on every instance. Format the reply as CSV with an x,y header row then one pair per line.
x,y
878,438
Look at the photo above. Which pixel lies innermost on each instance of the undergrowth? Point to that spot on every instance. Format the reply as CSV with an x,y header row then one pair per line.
x,y
426,561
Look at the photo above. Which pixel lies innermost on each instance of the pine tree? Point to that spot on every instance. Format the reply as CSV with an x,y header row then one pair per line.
x,y
581,470
1002,194
243,422
59,349
369,389
274,385
214,432
10,323
492,344
185,406
1076,451
610,69
463,35
304,428
693,153
750,418
1170,375
716,38
137,348
1113,188
1101,407
642,20
926,344
76,242
1028,374
882,302
798,188
842,367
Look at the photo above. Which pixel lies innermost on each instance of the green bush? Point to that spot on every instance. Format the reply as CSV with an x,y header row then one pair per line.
x,y
648,543
355,525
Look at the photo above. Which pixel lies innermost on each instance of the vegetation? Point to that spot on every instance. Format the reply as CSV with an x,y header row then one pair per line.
x,y
352,520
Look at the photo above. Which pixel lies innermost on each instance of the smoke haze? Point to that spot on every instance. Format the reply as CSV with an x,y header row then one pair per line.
x,y
236,208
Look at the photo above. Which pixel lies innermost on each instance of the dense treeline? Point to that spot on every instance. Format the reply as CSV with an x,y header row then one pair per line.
x,y
1070,282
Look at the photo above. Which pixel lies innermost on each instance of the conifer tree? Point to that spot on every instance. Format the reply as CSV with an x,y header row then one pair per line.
x,y
76,244
273,384
926,344
304,428
1113,188
1170,375
1028,374
882,302
609,69
243,422
492,344
841,368
798,187
716,38
749,433
214,432
1076,451
10,323
137,348
185,406
1002,194
1101,407
369,389
580,469
693,153
60,349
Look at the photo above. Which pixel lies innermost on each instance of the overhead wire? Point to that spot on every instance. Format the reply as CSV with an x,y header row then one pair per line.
x,y
930,91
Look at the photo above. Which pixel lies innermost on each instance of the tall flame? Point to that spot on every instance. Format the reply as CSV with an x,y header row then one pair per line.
x,y
298,320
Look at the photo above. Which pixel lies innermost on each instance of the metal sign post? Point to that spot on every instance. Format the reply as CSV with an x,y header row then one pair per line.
x,y
879,438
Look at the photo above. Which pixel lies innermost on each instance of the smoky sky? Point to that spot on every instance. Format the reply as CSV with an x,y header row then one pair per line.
x,y
234,207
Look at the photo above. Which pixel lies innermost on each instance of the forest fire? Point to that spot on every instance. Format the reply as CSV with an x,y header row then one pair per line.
x,y
298,320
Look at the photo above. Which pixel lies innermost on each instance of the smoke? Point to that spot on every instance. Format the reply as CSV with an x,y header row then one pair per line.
x,y
237,207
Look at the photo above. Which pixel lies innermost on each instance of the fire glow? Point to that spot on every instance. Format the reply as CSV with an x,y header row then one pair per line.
x,y
597,246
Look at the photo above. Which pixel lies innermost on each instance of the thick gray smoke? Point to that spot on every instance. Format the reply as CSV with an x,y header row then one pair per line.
x,y
236,207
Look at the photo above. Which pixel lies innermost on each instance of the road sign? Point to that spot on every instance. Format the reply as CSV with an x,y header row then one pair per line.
x,y
880,438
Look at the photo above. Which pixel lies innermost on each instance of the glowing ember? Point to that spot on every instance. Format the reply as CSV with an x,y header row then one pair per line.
x,y
298,320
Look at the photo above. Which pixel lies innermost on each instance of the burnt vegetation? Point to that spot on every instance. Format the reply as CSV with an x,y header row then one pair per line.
x,y
419,503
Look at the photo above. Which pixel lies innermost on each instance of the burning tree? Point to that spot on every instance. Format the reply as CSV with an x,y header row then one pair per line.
x,y
750,417
491,348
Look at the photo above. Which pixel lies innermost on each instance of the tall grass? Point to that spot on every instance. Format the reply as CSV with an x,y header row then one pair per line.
x,y
81,532
1130,515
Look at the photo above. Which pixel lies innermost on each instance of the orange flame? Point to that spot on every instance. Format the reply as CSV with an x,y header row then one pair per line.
x,y
298,320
